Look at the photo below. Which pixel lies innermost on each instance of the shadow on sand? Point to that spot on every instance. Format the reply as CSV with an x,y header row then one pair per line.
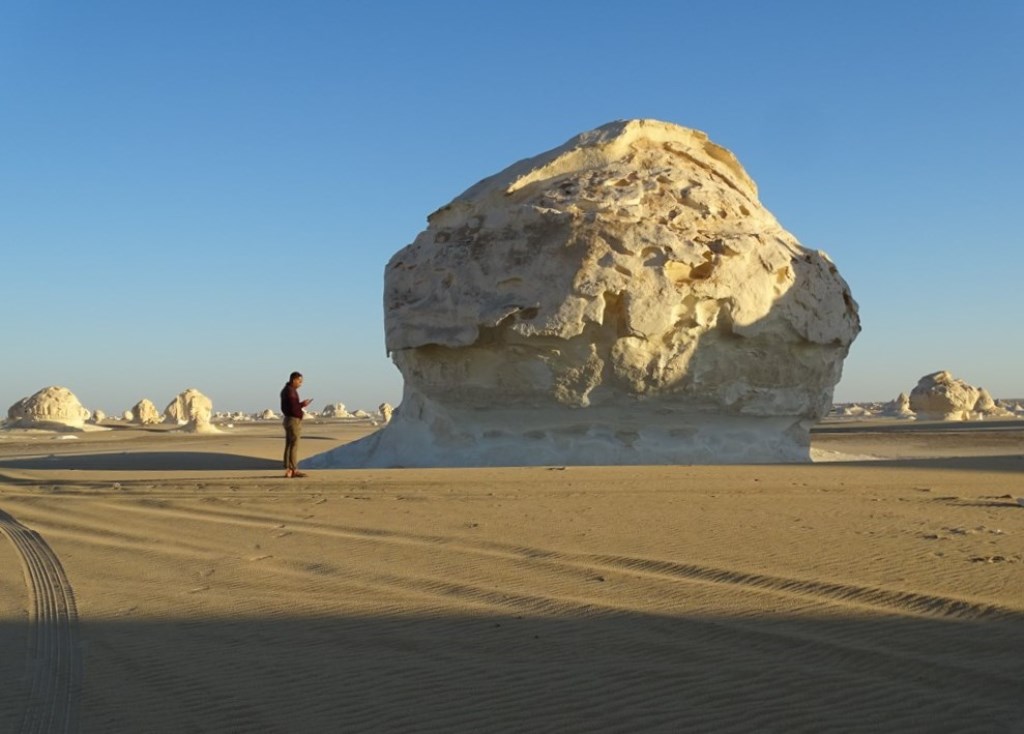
x,y
1004,463
921,427
472,673
145,461
208,461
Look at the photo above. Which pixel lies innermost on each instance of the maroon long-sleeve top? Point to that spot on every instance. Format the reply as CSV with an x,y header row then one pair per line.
x,y
291,406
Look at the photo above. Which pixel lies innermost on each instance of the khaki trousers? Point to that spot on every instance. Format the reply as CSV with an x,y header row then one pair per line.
x,y
292,431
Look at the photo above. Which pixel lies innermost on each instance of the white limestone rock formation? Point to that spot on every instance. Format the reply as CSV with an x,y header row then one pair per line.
x,y
269,415
986,407
622,299
386,411
899,408
98,416
143,413
52,408
855,410
335,410
192,411
940,396
362,414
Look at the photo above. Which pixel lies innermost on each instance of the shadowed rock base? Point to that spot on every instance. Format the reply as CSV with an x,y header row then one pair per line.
x,y
591,436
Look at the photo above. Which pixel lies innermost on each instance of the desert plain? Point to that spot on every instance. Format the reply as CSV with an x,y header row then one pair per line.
x,y
156,581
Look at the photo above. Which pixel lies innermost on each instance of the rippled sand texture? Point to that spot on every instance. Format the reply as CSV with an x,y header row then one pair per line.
x,y
865,596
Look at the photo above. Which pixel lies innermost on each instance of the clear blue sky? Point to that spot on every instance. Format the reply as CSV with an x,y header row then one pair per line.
x,y
205,193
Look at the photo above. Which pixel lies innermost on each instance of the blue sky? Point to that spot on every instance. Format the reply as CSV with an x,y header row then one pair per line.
x,y
205,194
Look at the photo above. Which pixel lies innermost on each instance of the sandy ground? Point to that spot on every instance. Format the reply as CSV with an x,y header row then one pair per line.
x,y
151,581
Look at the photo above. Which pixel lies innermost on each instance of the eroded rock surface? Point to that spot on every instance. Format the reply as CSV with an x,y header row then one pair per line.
x,y
986,407
624,298
941,396
143,413
52,407
192,411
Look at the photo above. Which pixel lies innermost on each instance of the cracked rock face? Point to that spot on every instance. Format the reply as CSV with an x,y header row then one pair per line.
x,y
624,298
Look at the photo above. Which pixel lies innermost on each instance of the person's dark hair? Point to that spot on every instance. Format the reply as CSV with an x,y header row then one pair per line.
x,y
294,375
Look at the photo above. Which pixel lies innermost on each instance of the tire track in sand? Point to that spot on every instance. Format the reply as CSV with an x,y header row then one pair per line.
x,y
55,664
878,599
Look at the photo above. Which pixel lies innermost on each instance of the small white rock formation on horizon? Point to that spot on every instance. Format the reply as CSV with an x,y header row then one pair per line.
x,y
622,299
269,415
97,416
143,413
941,396
52,408
192,411
335,410
899,408
855,410
386,411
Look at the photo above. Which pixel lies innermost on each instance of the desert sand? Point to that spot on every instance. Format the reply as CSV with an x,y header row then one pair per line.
x,y
153,581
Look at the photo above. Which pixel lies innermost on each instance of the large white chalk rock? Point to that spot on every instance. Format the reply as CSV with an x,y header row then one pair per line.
x,y
143,413
622,299
52,407
192,411
940,396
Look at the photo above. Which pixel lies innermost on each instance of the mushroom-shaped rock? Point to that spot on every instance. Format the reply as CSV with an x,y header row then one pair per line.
x,y
622,299
143,413
192,410
335,410
52,407
940,396
386,411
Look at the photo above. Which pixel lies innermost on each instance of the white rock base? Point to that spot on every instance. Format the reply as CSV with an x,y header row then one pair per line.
x,y
590,436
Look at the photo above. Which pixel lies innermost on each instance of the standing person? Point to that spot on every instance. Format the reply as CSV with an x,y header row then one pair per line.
x,y
292,407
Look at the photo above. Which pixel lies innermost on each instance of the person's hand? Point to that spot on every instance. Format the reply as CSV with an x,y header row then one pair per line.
x,y
306,402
